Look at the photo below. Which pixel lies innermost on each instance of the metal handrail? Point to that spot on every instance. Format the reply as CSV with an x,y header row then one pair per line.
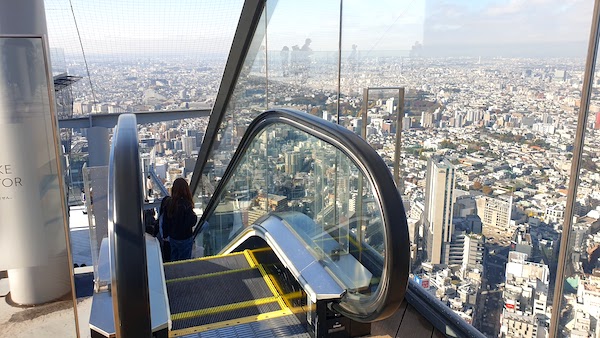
x,y
394,278
127,246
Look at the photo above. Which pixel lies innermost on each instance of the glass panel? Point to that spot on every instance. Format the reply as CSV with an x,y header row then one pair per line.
x,y
580,310
248,100
33,243
322,195
486,142
303,56
161,58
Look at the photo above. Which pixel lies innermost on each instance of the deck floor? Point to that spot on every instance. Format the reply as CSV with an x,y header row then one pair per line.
x,y
406,322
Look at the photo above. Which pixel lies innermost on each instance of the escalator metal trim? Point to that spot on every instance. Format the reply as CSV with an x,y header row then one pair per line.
x,y
208,275
232,322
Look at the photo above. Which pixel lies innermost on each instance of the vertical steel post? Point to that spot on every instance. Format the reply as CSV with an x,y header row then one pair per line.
x,y
563,260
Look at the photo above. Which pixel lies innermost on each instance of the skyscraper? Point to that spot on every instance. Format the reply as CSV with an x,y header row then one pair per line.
x,y
439,200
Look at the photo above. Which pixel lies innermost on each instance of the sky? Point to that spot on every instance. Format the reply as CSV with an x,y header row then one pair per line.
x,y
443,27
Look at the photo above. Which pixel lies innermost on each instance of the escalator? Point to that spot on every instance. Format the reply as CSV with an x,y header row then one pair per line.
x,y
305,235
230,292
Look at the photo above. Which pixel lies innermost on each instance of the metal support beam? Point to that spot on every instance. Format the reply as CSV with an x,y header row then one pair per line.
x,y
244,34
110,120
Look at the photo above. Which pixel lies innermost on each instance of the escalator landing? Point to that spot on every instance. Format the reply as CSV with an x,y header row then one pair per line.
x,y
287,326
227,296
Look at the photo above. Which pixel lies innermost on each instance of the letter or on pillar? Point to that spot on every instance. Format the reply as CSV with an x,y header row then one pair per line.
x,y
33,246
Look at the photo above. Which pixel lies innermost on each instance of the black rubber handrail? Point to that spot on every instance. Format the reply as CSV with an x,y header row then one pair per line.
x,y
394,279
127,245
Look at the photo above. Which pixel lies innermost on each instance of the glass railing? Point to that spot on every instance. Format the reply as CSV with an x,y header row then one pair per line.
x,y
332,190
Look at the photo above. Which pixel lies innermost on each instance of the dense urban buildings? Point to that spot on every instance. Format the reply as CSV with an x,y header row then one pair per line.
x,y
485,159
487,143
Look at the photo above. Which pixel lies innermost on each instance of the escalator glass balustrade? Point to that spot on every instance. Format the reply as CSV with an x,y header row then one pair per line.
x,y
335,195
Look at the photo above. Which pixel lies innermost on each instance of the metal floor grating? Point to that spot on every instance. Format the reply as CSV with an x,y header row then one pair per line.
x,y
218,290
225,316
205,266
288,326
227,296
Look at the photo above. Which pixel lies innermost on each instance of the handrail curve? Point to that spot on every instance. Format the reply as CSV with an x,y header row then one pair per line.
x,y
127,246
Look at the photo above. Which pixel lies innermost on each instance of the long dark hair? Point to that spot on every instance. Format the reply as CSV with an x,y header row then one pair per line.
x,y
179,192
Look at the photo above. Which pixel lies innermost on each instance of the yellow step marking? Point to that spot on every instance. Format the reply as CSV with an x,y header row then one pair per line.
x,y
232,322
262,249
213,274
267,279
250,258
223,308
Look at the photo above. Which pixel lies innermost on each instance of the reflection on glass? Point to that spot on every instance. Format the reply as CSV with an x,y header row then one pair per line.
x,y
248,100
303,62
320,194
490,115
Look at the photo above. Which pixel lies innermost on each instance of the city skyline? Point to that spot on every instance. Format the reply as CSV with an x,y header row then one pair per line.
x,y
462,28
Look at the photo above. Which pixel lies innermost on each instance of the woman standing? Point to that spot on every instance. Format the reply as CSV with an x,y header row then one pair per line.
x,y
178,220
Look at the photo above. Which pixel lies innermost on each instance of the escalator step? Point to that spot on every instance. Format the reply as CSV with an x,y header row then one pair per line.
x,y
218,290
182,269
286,326
215,318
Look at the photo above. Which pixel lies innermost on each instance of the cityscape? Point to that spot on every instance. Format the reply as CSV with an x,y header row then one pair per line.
x,y
485,163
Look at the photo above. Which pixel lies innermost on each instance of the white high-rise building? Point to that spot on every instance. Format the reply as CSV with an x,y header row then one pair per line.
x,y
525,297
437,216
390,105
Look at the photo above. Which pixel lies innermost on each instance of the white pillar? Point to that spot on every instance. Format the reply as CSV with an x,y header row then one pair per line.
x,y
32,234
99,153
98,146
